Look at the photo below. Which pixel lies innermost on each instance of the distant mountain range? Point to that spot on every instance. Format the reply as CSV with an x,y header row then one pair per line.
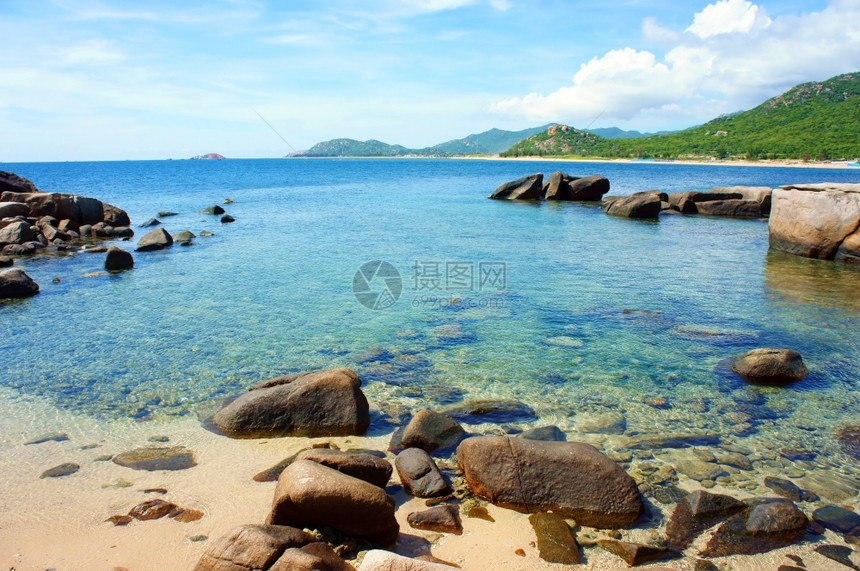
x,y
490,142
811,121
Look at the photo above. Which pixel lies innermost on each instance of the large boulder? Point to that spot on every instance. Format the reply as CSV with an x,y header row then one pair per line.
x,y
269,547
526,188
571,479
118,259
770,366
814,220
11,182
638,205
157,239
429,430
312,495
562,186
320,403
736,201
12,209
367,467
17,232
14,283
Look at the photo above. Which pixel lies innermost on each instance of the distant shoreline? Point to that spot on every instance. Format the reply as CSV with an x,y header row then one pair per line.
x,y
783,163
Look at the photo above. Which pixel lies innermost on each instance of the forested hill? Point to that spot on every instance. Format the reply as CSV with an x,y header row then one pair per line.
x,y
817,120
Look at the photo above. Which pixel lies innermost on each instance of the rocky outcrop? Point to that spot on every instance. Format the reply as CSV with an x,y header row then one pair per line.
x,y
15,283
638,205
562,186
571,479
817,221
312,495
526,188
734,201
320,403
770,366
269,547
31,220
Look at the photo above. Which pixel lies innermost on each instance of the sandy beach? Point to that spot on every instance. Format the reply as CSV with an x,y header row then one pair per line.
x,y
782,163
60,523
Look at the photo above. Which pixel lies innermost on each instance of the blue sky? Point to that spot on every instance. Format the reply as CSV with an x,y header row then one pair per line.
x,y
111,80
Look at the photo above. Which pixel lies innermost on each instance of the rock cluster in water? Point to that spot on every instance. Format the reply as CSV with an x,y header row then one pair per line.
x,y
559,186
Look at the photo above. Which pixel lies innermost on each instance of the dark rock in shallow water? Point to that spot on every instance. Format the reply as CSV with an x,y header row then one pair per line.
x,y
555,542
275,547
571,479
153,458
312,495
839,553
445,519
151,222
15,283
789,490
320,403
697,512
635,553
649,442
371,469
495,411
226,219
526,188
836,518
430,430
550,433
118,259
770,366
62,470
157,239
419,474
214,210
151,509
166,213
183,237
768,524
849,440
52,437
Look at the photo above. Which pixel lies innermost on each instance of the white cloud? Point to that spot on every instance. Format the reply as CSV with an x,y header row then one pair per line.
x,y
728,16
732,58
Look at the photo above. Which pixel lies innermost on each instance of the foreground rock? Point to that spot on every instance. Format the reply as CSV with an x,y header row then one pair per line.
x,y
562,186
817,221
571,479
526,188
555,542
419,474
118,259
269,547
320,403
312,495
379,560
767,524
15,283
638,205
770,366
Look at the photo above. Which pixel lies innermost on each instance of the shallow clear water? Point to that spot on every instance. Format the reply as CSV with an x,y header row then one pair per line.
x,y
596,313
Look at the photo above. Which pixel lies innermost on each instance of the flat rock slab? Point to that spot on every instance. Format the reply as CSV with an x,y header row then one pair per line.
x,y
635,553
836,518
151,458
445,519
66,469
571,479
555,542
839,553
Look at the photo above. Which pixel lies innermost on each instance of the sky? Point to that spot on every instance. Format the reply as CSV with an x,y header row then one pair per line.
x,y
116,80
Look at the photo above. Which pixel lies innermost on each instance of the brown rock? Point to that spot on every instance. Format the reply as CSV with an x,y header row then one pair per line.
x,y
634,553
151,509
770,366
429,430
316,556
379,560
419,474
638,205
321,403
312,495
571,479
118,259
526,188
17,232
11,182
15,283
697,512
373,470
766,525
151,458
62,470
444,519
157,239
555,542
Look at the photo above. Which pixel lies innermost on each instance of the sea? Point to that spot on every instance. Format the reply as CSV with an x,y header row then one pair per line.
x,y
404,271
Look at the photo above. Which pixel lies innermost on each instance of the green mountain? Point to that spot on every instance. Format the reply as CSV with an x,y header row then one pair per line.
x,y
816,120
487,143
616,133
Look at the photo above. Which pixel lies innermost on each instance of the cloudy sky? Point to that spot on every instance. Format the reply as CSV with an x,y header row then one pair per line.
x,y
111,79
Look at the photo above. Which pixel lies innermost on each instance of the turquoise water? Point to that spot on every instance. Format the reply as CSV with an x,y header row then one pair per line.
x,y
595,313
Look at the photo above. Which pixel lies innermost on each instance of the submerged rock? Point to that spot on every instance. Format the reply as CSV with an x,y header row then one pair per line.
x,y
546,433
836,518
52,437
572,479
320,403
697,512
495,411
766,525
849,440
66,469
788,490
152,458
770,366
